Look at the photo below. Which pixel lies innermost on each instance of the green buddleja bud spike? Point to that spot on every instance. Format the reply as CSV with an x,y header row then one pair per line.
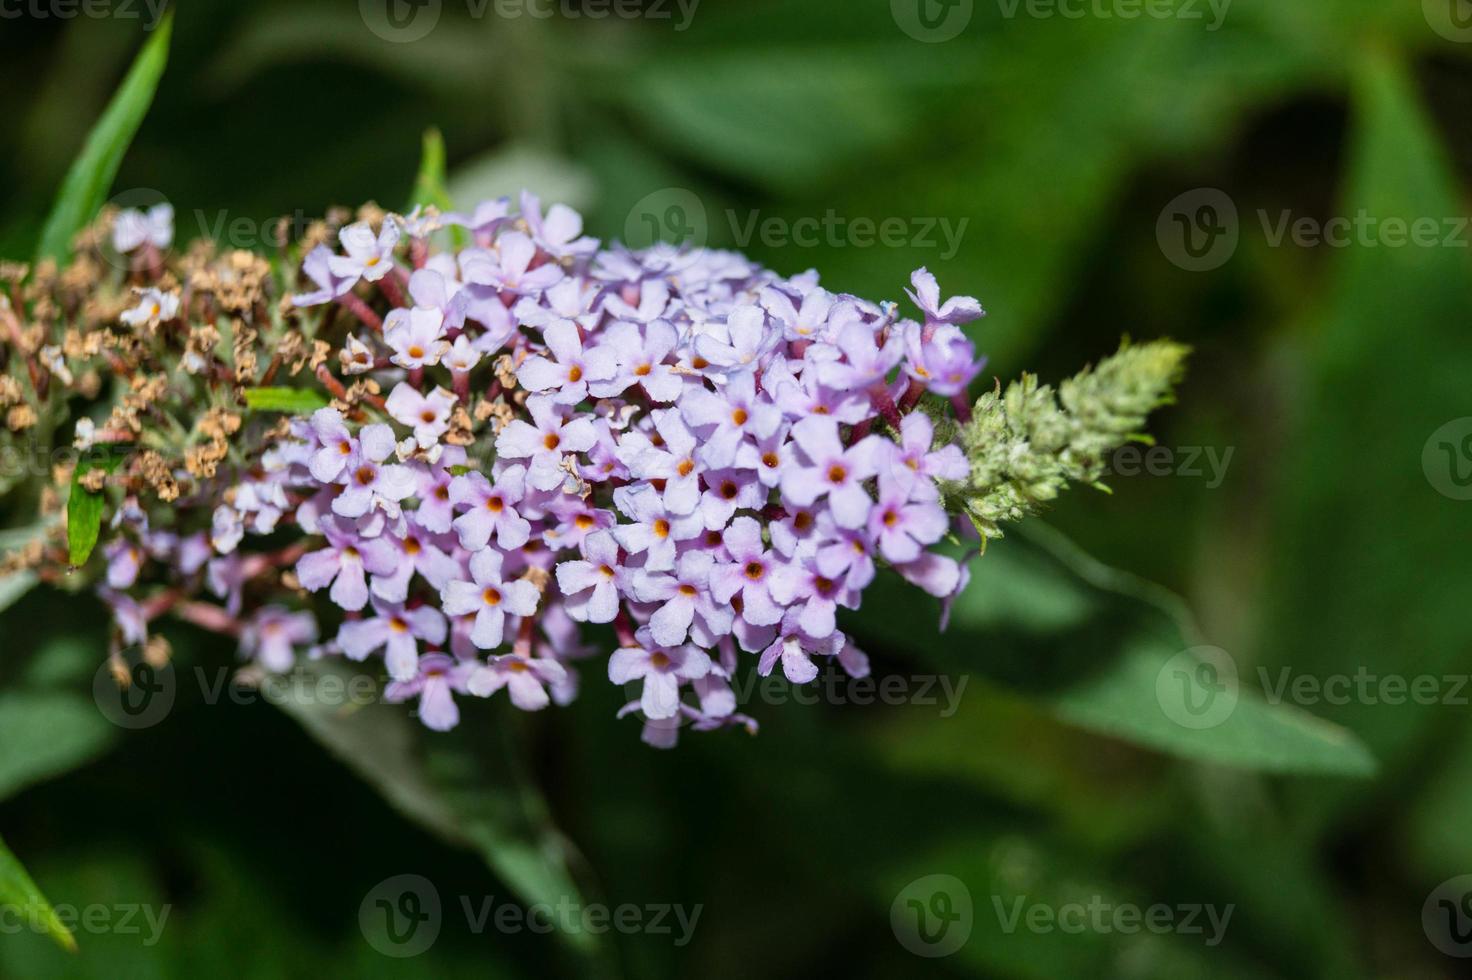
x,y
1028,443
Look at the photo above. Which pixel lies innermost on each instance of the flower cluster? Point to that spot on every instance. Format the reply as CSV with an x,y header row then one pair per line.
x,y
683,449
510,451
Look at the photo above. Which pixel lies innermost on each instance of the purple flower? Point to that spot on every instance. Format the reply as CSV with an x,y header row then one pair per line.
x,y
641,361
903,530
591,583
654,531
509,268
344,564
726,492
435,685
574,368
338,449
369,256
866,362
945,361
490,509
748,572
132,228
685,601
526,680
912,466
428,415
124,561
661,670
371,483
797,663
926,295
485,220
560,233
436,510
272,635
725,419
317,266
417,337
417,552
489,598
808,323
826,468
667,455
814,596
397,631
743,342
545,440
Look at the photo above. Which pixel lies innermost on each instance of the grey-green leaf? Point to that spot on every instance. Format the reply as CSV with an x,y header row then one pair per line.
x,y
91,175
18,891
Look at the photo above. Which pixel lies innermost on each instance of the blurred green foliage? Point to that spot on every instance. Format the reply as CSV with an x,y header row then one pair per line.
x,y
1324,548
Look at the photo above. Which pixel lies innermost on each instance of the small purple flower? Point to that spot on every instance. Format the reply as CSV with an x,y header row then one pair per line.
x,y
344,564
808,323
398,631
743,344
866,362
748,573
797,662
372,484
913,467
545,441
667,455
685,602
490,509
417,337
339,450
662,670
489,598
828,469
653,530
509,268
133,228
417,552
727,418
591,583
428,415
903,530
560,233
124,561
945,361
569,375
369,256
813,596
526,680
272,635
926,295
726,492
317,266
436,509
641,361
438,680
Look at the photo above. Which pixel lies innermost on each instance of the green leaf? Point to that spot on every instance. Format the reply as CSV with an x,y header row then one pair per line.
x,y
91,175
84,507
1366,575
17,890
47,733
429,186
465,786
294,401
1096,647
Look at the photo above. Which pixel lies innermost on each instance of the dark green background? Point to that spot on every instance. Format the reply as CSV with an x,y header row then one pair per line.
x,y
1326,548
